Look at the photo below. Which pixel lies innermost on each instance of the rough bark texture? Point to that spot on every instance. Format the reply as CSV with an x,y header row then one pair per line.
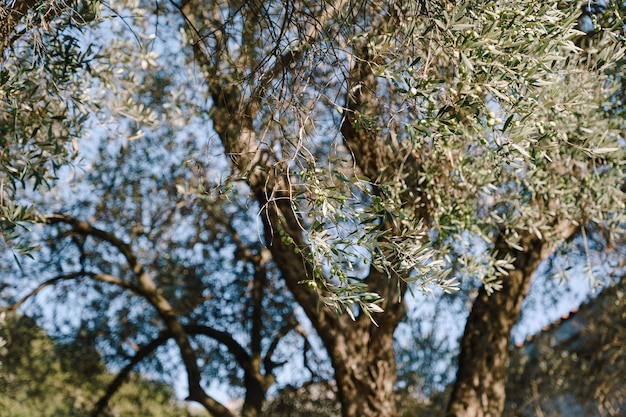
x,y
361,352
364,363
479,390
363,356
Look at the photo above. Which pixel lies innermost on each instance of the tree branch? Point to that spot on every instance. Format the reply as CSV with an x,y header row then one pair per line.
x,y
233,121
307,348
148,289
312,33
241,356
75,275
48,283
290,324
86,228
142,353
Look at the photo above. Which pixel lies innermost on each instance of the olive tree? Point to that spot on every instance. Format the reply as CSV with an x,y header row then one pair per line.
x,y
393,146
372,134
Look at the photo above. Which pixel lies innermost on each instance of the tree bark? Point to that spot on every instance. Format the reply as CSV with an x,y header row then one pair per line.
x,y
479,390
365,373
363,355
361,352
363,359
479,387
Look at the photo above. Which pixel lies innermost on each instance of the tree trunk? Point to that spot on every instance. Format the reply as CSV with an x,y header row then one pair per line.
x,y
365,372
361,352
256,387
479,390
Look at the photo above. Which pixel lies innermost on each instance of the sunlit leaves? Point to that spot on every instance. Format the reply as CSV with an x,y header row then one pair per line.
x,y
506,117
494,116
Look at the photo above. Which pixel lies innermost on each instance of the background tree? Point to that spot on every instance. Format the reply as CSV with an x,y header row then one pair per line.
x,y
153,267
38,371
547,369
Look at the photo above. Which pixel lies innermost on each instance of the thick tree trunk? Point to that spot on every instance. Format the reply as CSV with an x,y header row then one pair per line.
x,y
362,353
479,390
365,372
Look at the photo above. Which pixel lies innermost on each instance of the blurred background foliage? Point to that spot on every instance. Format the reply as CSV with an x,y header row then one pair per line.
x,y
42,376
